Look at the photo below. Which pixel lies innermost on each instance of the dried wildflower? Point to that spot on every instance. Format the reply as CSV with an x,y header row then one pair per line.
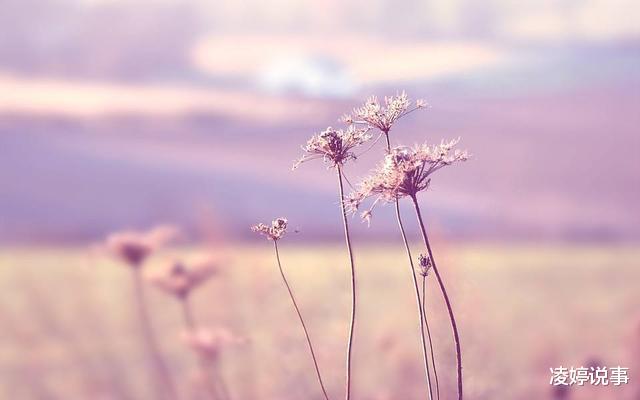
x,y
134,247
383,117
274,232
405,172
179,279
424,261
207,343
334,145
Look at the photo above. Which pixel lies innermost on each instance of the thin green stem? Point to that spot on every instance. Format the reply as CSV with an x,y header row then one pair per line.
x,y
304,326
352,324
421,313
454,327
150,340
426,324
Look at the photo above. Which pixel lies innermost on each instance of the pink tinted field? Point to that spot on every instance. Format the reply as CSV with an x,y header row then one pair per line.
x,y
69,328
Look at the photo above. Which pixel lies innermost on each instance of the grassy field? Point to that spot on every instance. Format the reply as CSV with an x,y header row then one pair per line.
x,y
68,329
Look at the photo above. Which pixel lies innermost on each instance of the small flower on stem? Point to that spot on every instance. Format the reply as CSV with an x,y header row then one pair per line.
x,y
179,278
424,261
134,247
334,145
274,232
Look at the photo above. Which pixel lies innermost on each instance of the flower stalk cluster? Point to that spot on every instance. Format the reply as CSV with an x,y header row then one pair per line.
x,y
404,172
178,279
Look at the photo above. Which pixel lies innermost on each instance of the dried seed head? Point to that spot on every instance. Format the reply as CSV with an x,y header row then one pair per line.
x,y
274,232
424,262
405,172
180,279
134,247
334,146
384,116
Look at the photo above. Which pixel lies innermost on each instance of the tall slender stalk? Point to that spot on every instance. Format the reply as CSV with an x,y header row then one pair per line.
x,y
421,312
426,325
352,324
452,318
212,387
304,327
166,389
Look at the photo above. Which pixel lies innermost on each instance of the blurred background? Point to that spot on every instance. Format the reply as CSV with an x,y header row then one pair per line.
x,y
122,114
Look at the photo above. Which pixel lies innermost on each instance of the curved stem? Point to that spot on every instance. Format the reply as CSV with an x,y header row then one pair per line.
x,y
150,339
454,327
304,326
352,324
426,324
421,313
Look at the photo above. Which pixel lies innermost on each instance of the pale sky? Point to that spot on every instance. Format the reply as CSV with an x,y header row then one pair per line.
x,y
539,20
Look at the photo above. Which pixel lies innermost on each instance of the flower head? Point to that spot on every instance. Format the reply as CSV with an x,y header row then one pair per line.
x,y
405,172
424,262
207,343
384,116
274,232
334,145
134,247
179,278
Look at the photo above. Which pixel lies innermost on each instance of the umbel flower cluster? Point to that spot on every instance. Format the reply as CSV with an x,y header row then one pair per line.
x,y
405,172
374,114
334,146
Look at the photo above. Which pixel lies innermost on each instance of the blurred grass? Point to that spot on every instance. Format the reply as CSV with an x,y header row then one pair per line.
x,y
67,329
